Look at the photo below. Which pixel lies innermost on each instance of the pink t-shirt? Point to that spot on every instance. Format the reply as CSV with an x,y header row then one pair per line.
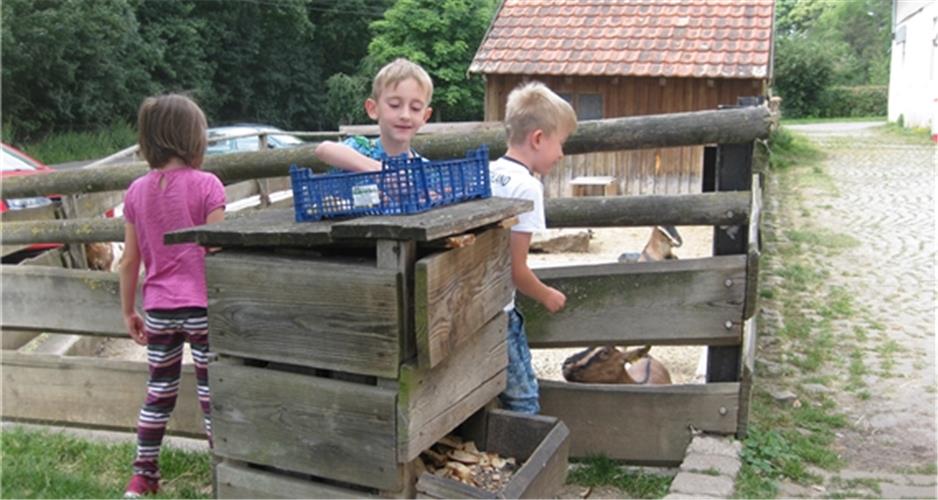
x,y
175,274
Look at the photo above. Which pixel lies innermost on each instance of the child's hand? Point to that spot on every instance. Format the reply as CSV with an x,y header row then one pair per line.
x,y
555,300
135,328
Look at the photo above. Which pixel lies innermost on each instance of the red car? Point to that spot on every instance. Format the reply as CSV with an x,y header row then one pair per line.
x,y
14,162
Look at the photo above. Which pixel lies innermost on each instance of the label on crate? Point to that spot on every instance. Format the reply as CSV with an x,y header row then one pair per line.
x,y
366,195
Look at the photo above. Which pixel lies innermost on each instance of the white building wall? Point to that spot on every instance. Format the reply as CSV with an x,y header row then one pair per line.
x,y
913,75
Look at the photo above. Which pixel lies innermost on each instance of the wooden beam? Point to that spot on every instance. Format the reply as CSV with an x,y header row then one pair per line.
x,y
634,132
63,231
676,302
708,209
86,391
640,424
51,299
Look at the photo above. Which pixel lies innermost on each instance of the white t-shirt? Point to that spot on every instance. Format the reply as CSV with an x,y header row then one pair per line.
x,y
511,179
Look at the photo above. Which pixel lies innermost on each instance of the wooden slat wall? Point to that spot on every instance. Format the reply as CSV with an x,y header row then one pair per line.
x,y
88,391
646,171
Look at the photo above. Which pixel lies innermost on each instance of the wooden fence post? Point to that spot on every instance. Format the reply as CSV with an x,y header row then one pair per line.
x,y
733,172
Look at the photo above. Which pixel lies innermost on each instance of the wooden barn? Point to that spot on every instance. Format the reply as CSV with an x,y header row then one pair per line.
x,y
614,58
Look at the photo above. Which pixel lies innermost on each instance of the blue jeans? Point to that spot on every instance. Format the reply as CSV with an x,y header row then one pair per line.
x,y
521,392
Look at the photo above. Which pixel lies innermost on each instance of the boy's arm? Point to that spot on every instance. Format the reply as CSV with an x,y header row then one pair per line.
x,y
129,274
524,278
346,158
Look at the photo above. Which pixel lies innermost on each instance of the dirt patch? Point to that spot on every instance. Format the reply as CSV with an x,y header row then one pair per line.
x,y
606,246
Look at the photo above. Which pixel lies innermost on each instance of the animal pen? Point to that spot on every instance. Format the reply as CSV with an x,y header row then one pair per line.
x,y
381,332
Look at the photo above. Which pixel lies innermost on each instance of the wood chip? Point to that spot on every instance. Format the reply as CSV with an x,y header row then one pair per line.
x,y
463,456
470,446
451,441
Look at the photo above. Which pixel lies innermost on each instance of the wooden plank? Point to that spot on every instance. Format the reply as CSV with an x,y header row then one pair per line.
x,y
747,378
237,480
277,227
273,227
85,302
545,471
753,251
434,224
458,290
433,402
649,210
88,391
641,424
400,256
539,443
674,302
306,311
312,425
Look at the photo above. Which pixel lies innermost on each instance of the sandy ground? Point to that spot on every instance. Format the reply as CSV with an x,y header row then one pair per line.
x,y
605,246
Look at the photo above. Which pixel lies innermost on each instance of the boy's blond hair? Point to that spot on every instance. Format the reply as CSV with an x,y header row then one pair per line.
x,y
171,125
396,72
532,106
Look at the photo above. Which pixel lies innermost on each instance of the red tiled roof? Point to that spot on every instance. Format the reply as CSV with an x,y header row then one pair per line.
x,y
663,38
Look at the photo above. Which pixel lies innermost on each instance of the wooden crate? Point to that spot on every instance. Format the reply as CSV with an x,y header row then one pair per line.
x,y
348,347
540,443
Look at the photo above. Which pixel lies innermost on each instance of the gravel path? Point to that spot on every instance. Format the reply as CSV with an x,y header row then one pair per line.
x,y
881,193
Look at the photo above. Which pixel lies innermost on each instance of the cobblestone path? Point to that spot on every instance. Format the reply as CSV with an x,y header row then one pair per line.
x,y
882,193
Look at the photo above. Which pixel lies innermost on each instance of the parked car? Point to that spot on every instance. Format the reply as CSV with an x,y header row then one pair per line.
x,y
244,137
14,162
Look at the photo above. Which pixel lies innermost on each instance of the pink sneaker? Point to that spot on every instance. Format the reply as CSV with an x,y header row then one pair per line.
x,y
140,485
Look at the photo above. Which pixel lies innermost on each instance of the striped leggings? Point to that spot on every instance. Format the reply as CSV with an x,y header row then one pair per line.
x,y
166,332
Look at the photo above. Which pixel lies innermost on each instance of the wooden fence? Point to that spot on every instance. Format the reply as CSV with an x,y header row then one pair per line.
x,y
709,301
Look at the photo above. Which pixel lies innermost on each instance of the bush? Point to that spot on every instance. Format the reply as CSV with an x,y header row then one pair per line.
x,y
864,100
802,73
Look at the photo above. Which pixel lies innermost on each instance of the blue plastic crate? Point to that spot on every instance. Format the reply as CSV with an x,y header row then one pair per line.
x,y
403,186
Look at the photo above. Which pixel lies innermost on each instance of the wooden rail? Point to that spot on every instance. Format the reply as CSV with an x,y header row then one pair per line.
x,y
711,209
676,129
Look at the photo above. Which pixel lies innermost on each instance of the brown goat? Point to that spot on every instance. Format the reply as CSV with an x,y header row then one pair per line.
x,y
661,242
606,365
99,256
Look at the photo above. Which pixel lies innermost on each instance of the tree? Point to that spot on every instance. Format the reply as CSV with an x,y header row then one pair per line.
x,y
442,36
70,65
345,100
266,62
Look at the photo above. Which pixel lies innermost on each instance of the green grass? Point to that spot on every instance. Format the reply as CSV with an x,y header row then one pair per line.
x,y
822,238
77,146
39,464
603,471
809,120
787,148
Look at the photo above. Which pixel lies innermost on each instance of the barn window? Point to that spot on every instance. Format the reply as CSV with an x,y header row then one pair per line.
x,y
586,106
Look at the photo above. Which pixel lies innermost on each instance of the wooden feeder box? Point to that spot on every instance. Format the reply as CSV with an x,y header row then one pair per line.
x,y
346,348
